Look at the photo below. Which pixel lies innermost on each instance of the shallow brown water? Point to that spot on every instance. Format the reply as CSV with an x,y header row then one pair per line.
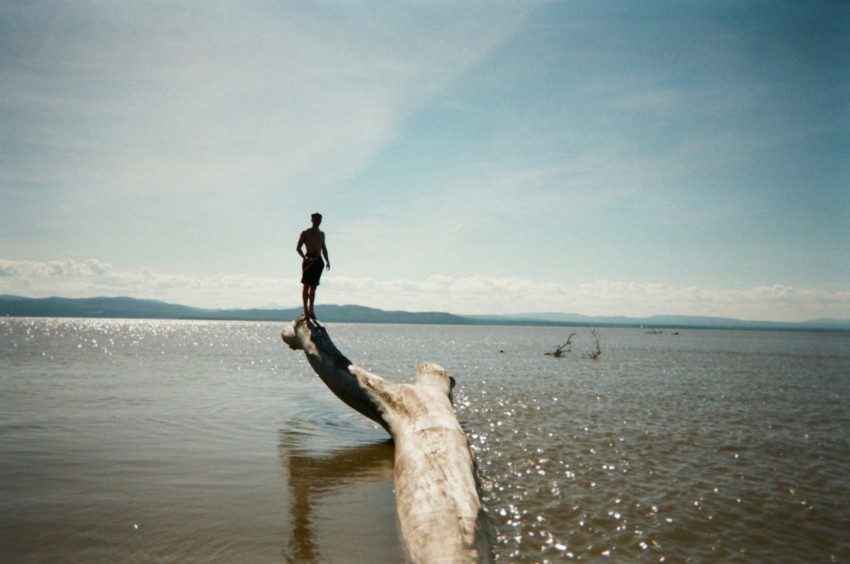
x,y
211,441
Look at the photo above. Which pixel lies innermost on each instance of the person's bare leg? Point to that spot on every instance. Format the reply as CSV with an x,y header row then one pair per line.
x,y
305,295
311,300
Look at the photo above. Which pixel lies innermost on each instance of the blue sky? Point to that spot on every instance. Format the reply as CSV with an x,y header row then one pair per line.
x,y
605,158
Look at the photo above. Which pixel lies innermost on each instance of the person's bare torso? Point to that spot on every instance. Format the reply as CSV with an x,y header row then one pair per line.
x,y
314,240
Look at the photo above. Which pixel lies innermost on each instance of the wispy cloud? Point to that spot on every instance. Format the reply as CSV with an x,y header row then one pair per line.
x,y
217,104
306,88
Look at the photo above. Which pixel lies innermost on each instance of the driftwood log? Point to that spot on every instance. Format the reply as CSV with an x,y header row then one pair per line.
x,y
441,518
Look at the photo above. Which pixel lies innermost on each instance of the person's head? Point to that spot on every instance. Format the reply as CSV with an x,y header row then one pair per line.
x,y
316,218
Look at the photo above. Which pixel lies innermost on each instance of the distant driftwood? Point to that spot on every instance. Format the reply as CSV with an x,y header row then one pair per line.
x,y
441,518
566,347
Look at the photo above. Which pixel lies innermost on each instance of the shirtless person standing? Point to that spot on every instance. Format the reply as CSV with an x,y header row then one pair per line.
x,y
313,239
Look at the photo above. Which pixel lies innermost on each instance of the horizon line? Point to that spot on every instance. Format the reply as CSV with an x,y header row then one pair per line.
x,y
549,317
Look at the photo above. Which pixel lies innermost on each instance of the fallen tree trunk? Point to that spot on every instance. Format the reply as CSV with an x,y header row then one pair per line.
x,y
441,518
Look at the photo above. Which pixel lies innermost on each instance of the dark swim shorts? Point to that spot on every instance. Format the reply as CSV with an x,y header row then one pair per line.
x,y
311,270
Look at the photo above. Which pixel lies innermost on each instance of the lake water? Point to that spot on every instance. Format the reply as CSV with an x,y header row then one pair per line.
x,y
178,441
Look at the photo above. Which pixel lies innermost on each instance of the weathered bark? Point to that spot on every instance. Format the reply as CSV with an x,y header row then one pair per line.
x,y
441,518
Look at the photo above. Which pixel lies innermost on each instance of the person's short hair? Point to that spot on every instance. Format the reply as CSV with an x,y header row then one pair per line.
x,y
317,214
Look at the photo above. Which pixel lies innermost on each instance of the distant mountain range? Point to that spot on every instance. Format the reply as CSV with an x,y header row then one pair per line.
x,y
132,308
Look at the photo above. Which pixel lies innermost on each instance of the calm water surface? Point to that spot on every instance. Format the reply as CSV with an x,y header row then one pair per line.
x,y
211,441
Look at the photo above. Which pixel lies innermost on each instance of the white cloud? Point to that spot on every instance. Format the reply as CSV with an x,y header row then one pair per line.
x,y
467,295
68,278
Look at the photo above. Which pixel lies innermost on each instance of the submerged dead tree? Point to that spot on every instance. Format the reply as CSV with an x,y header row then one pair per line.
x,y
561,350
441,518
567,347
598,352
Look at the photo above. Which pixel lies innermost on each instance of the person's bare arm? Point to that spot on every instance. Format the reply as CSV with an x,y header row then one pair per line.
x,y
299,245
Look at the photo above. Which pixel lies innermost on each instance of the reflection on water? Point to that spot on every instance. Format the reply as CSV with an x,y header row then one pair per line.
x,y
328,484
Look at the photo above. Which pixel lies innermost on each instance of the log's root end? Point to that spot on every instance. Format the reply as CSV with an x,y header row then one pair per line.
x,y
290,336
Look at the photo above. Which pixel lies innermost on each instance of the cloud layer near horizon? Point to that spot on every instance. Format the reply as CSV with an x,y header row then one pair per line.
x,y
467,295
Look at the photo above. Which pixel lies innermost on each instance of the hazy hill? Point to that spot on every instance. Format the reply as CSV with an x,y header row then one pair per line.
x,y
662,321
132,308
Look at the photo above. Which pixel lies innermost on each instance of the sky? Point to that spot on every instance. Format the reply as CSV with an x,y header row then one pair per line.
x,y
603,158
